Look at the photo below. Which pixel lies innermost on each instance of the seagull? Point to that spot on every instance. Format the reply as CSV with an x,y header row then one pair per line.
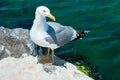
x,y
51,35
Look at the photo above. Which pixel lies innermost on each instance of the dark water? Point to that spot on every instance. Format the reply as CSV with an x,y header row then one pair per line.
x,y
102,17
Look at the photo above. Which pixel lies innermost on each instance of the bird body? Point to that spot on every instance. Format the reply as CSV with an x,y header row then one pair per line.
x,y
51,34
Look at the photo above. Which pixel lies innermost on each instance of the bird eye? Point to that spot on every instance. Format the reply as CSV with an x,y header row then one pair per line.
x,y
44,10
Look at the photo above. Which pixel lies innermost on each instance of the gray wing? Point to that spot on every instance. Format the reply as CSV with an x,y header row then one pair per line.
x,y
59,34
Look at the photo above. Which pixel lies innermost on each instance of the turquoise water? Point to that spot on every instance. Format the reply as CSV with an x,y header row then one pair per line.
x,y
101,46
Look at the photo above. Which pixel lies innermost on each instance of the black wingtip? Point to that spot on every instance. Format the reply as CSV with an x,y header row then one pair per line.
x,y
81,34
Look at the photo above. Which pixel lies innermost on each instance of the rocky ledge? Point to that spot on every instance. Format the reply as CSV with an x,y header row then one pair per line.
x,y
14,43
27,69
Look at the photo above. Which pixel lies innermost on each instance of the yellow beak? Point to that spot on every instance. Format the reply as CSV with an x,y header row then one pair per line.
x,y
51,17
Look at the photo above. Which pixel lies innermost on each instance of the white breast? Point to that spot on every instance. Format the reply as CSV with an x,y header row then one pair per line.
x,y
38,38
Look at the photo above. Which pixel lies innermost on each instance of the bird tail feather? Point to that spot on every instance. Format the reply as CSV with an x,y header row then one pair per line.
x,y
80,34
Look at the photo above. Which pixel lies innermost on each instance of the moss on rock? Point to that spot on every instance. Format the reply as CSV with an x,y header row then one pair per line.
x,y
82,64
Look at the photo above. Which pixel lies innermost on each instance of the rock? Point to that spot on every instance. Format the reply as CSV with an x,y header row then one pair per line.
x,y
27,69
15,42
16,45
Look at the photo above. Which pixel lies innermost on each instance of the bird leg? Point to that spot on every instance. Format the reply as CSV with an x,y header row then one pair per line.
x,y
52,56
51,62
49,53
46,59
49,56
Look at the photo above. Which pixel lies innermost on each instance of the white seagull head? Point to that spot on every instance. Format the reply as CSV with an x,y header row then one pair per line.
x,y
44,12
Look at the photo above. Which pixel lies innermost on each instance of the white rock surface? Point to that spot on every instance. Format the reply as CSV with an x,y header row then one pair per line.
x,y
15,42
27,69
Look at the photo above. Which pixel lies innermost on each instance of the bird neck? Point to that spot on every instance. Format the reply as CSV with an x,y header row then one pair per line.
x,y
40,23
